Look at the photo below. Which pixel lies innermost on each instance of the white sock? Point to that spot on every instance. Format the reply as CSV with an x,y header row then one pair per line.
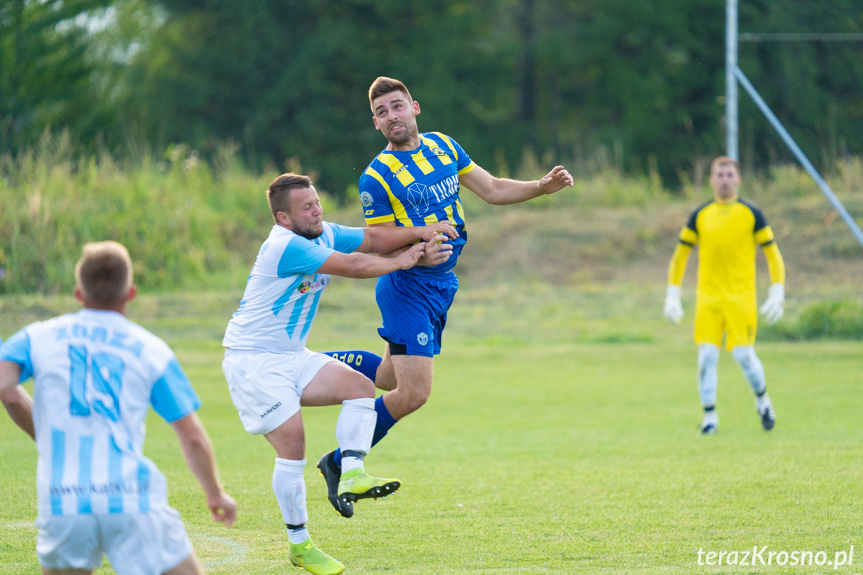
x,y
752,367
711,417
762,402
708,358
297,536
349,463
354,429
290,490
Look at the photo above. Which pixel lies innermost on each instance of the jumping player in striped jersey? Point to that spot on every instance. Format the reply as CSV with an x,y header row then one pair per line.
x,y
96,374
727,231
414,182
270,372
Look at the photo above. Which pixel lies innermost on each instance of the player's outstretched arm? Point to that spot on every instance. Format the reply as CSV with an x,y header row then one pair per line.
x,y
361,266
18,403
386,239
198,451
503,191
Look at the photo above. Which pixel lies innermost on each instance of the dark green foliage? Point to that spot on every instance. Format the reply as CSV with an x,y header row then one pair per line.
x,y
636,84
44,72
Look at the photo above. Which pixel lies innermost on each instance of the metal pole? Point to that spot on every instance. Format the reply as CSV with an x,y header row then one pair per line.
x,y
730,79
801,157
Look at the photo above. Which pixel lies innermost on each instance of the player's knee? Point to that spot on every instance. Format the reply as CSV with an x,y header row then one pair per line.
x,y
744,355
708,356
416,399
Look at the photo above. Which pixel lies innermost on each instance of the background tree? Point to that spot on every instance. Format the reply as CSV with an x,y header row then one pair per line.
x,y
45,75
635,83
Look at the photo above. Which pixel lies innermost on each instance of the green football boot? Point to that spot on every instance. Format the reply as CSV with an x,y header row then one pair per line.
x,y
357,484
313,560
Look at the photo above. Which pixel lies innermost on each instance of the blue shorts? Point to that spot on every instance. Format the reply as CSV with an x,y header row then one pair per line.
x,y
413,309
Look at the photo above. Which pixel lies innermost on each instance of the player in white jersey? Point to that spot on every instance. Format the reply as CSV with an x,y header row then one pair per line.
x,y
95,376
271,374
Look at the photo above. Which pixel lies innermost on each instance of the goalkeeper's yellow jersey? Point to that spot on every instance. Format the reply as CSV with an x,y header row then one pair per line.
x,y
727,234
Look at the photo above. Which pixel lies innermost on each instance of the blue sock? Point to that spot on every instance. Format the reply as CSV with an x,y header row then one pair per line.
x,y
364,362
384,423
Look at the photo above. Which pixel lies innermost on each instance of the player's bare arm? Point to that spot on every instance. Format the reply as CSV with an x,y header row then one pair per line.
x,y
503,191
19,406
387,239
360,266
10,372
18,403
436,252
198,451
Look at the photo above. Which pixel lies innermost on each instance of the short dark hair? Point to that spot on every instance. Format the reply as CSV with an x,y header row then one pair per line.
x,y
279,192
725,160
383,86
104,273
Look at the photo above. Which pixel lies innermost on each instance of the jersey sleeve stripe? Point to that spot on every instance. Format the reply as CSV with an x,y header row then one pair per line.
x,y
688,236
467,168
764,236
380,219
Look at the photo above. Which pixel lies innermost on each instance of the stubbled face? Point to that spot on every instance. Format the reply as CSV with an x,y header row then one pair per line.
x,y
306,215
725,180
395,116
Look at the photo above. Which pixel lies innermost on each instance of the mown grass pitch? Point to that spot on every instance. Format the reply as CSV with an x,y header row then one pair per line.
x,y
566,444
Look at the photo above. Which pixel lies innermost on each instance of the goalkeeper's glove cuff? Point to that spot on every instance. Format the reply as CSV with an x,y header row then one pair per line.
x,y
673,309
774,306
777,291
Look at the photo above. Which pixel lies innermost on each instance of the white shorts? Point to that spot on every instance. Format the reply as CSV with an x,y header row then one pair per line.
x,y
135,543
266,387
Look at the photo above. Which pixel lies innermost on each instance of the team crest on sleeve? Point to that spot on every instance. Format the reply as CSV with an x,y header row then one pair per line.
x,y
366,199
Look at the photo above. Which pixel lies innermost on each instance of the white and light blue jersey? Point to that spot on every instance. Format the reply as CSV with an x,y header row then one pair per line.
x,y
283,291
95,376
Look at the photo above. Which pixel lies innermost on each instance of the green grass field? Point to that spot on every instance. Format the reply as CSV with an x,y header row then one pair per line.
x,y
561,437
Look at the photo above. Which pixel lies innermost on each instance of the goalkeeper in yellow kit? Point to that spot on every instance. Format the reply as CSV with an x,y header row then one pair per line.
x,y
727,231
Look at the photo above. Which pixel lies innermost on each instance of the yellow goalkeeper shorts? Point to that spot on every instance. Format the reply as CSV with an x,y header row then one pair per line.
x,y
736,319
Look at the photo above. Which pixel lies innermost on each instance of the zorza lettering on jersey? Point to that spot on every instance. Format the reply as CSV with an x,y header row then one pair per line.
x,y
96,374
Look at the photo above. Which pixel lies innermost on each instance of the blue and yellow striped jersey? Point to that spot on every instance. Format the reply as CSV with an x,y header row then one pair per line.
x,y
417,188
727,235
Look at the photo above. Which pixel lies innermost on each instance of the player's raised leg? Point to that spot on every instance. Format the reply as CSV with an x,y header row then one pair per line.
x,y
365,362
348,482
330,464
